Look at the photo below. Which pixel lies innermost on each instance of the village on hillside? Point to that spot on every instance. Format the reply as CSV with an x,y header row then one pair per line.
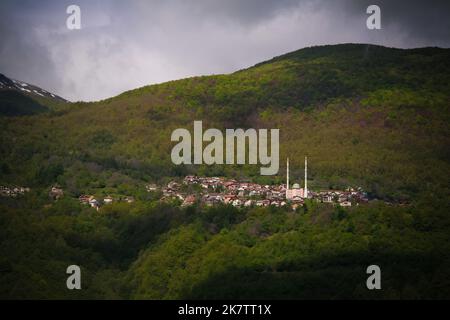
x,y
210,191
218,190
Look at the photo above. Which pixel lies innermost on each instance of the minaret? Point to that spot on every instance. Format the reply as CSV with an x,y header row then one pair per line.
x,y
287,174
306,178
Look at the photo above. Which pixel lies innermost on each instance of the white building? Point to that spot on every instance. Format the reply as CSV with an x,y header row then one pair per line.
x,y
296,191
237,203
108,200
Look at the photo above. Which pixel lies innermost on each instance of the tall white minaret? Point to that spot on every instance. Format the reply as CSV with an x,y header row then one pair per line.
x,y
305,194
287,174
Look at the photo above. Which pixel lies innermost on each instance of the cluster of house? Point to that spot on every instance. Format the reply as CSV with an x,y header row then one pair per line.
x,y
56,192
343,198
216,190
13,191
97,203
212,191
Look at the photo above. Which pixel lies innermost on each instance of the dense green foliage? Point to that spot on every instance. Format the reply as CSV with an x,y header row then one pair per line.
x,y
152,251
365,115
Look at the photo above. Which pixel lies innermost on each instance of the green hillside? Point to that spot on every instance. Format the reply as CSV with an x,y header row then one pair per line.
x,y
364,115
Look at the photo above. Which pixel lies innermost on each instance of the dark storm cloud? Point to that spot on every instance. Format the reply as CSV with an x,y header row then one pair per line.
x,y
423,23
126,44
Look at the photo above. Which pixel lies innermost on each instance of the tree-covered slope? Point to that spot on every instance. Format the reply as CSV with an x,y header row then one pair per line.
x,y
366,115
151,251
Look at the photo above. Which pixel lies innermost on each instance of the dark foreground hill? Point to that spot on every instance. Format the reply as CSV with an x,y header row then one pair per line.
x,y
365,115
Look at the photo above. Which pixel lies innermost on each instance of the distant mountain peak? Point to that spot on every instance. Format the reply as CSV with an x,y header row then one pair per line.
x,y
26,88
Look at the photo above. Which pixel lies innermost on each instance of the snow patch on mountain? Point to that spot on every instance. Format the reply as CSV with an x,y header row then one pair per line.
x,y
11,84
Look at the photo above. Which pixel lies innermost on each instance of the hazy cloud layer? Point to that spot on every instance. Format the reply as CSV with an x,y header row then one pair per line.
x,y
127,44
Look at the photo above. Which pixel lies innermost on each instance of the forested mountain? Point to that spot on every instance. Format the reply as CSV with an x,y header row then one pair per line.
x,y
364,115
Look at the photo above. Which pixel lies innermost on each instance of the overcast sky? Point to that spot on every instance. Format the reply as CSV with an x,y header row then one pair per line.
x,y
127,44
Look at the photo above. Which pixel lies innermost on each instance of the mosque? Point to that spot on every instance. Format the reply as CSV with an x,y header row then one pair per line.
x,y
296,192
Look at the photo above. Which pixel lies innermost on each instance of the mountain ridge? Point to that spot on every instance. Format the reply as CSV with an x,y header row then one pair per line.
x,y
319,49
9,83
13,84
